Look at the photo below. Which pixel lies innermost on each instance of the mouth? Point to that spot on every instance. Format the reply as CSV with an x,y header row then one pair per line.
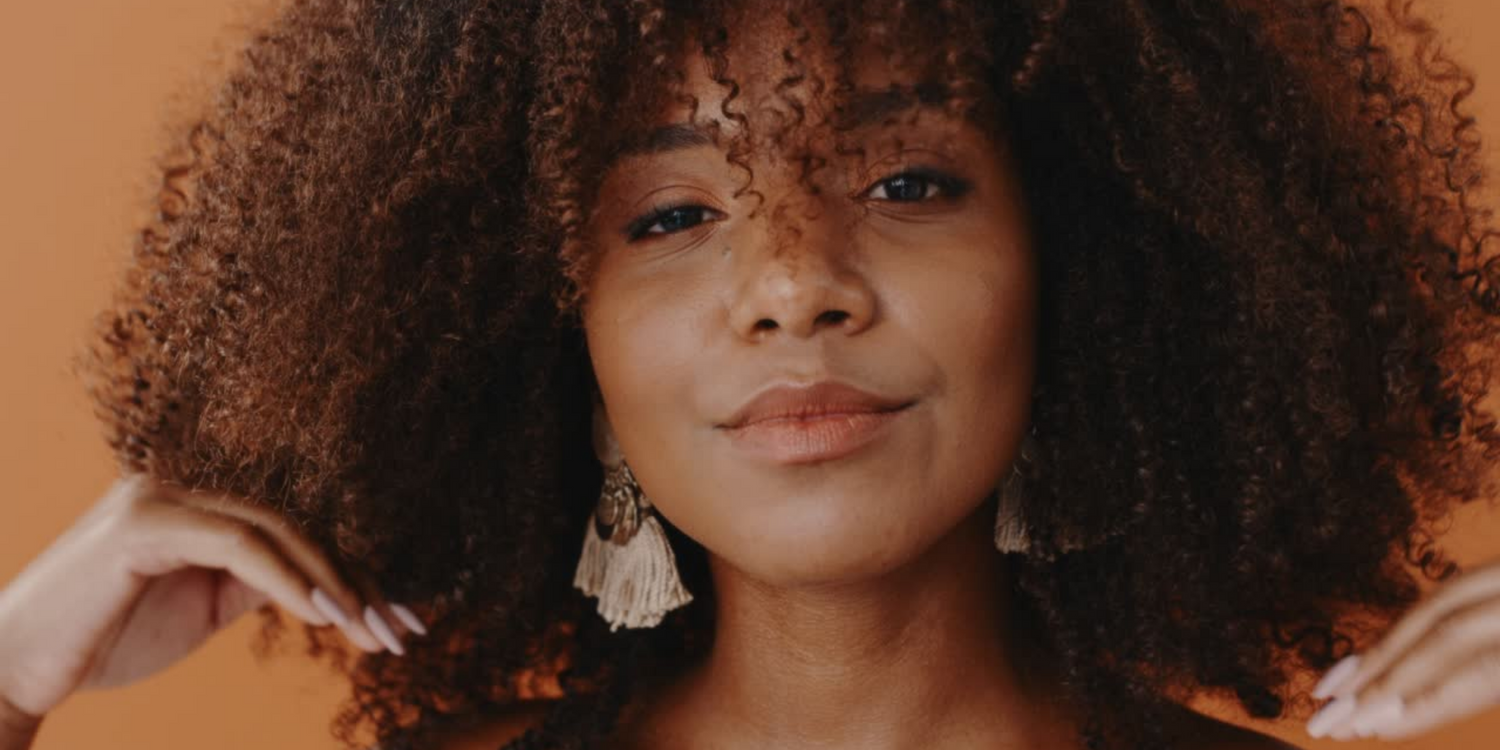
x,y
827,398
814,435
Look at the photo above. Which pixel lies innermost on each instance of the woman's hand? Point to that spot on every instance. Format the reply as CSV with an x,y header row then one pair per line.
x,y
1440,663
148,574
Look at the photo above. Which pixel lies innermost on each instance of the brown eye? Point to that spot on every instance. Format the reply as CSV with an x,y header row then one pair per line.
x,y
670,219
916,185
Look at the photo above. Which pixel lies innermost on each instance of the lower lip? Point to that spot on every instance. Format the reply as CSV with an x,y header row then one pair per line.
x,y
801,441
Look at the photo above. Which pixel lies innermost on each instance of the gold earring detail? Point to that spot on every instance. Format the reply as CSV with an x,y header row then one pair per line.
x,y
627,561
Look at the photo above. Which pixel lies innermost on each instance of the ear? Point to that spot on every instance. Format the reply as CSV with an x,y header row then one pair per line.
x,y
605,446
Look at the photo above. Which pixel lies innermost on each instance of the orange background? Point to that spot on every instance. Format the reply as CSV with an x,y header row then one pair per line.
x,y
86,87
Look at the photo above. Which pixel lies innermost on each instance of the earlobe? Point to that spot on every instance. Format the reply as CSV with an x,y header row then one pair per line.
x,y
605,446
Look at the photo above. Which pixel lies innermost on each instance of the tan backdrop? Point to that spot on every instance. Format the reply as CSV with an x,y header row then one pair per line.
x,y
86,85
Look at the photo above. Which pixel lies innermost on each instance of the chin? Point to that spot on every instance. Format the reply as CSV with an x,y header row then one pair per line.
x,y
802,549
792,566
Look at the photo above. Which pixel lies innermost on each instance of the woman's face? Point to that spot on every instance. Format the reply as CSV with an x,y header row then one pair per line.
x,y
920,289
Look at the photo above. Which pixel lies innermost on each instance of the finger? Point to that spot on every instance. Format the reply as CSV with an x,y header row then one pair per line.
x,y
345,603
188,535
379,616
408,619
1475,688
237,597
1446,649
398,618
1474,587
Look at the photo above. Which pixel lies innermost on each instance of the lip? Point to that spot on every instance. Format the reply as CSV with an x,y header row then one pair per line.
x,y
823,398
818,422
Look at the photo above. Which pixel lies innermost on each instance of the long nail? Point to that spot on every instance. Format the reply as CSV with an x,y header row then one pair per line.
x,y
333,611
1342,733
1377,714
1337,674
330,608
1330,715
408,619
383,631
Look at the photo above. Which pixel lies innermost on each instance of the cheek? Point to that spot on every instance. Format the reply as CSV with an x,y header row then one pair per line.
x,y
972,312
644,337
973,318
982,329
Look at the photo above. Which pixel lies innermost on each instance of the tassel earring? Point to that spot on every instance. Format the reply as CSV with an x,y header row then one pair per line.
x,y
626,562
1011,533
1010,527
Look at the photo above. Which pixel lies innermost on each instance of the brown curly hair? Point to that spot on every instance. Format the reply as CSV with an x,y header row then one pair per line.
x,y
1265,313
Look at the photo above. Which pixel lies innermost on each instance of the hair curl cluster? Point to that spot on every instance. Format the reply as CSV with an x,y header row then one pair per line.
x,y
1264,334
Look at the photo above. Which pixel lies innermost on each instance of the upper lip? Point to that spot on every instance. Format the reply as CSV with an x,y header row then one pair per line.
x,y
803,401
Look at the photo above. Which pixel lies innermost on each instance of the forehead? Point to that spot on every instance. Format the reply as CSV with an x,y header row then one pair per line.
x,y
772,77
774,62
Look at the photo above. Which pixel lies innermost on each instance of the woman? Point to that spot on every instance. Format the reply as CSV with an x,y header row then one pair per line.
x,y
684,375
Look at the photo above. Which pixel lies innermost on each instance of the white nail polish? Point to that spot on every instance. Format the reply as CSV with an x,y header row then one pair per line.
x,y
1343,733
1378,714
408,619
383,631
329,608
1335,675
1331,715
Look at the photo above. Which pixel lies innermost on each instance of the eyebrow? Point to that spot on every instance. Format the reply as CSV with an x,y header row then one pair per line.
x,y
869,107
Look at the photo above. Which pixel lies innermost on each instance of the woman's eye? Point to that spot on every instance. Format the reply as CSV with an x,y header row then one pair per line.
x,y
910,186
916,185
670,220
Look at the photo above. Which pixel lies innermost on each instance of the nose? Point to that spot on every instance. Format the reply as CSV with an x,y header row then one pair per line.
x,y
801,281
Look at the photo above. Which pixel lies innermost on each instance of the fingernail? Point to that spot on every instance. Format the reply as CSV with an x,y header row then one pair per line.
x,y
330,608
383,631
1336,675
1330,715
1376,714
408,619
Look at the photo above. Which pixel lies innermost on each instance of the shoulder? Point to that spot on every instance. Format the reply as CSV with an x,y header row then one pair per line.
x,y
1211,733
1249,739
500,728
1215,734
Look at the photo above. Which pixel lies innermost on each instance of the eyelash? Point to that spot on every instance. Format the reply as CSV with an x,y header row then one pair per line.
x,y
950,186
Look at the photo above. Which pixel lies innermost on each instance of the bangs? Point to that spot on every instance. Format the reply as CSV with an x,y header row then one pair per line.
x,y
599,103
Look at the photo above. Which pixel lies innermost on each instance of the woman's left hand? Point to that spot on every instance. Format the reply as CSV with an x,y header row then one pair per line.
x,y
1438,664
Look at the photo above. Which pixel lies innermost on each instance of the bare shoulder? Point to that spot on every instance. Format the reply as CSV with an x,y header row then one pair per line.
x,y
1216,734
1209,733
1249,739
500,729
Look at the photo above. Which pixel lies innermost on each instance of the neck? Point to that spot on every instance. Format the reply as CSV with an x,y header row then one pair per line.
x,y
923,656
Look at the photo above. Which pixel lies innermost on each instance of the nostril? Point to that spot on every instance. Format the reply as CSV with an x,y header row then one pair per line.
x,y
834,316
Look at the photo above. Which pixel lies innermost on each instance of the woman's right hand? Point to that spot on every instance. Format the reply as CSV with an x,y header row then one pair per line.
x,y
149,573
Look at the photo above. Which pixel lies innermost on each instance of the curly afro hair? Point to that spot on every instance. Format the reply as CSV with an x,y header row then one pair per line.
x,y
1264,332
